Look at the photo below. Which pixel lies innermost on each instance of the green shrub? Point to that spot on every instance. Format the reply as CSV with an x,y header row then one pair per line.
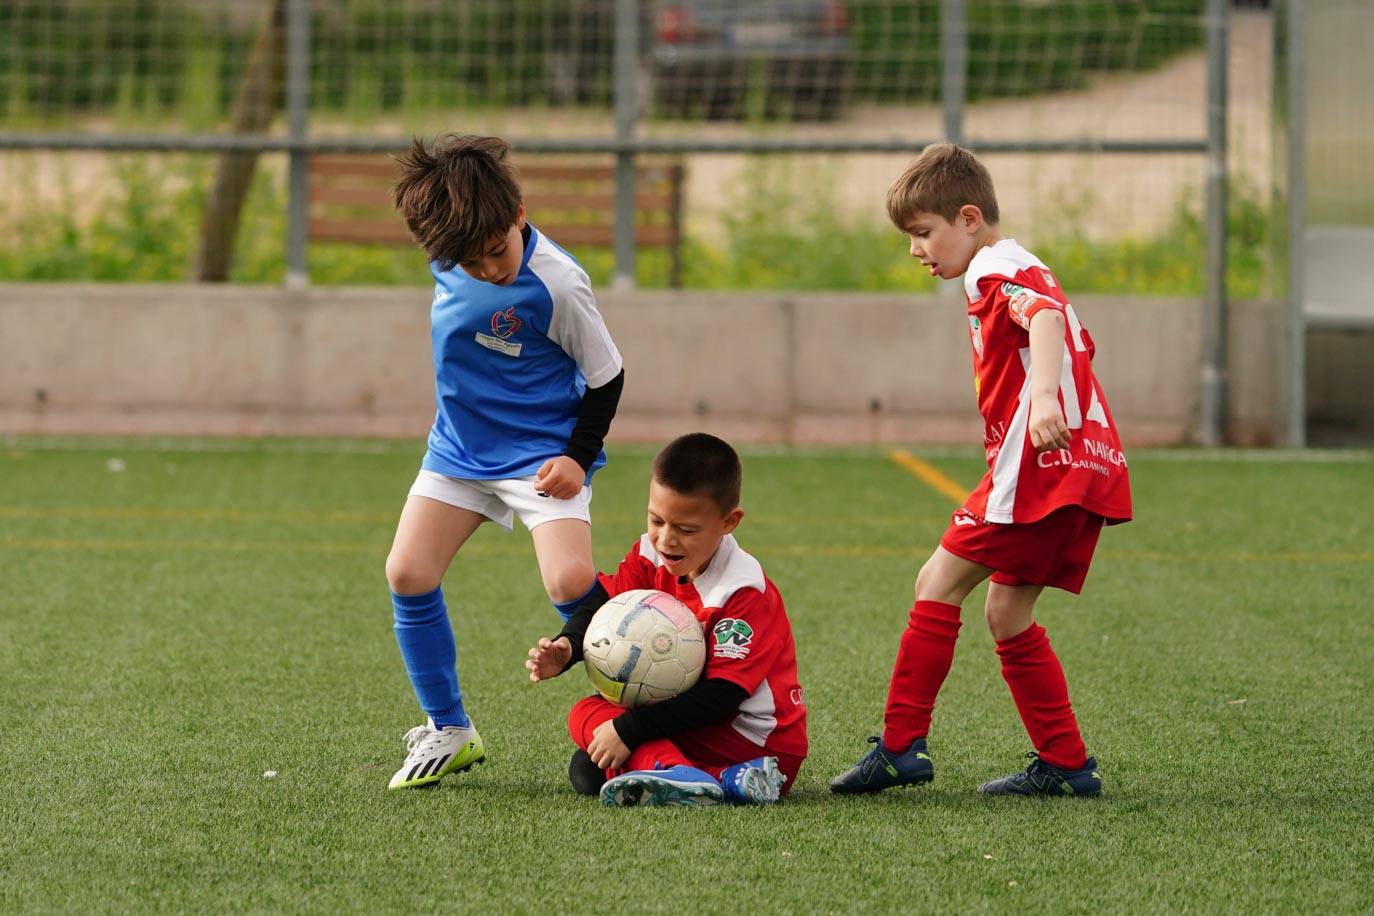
x,y
773,238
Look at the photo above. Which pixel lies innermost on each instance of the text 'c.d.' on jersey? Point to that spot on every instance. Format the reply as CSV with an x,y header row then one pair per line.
x,y
1006,285
511,364
748,638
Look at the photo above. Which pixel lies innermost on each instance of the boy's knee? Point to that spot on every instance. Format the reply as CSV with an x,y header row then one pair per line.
x,y
407,577
1006,620
570,582
582,718
923,577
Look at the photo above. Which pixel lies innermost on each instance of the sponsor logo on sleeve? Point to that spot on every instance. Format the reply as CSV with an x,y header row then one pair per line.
x,y
1019,301
733,637
975,333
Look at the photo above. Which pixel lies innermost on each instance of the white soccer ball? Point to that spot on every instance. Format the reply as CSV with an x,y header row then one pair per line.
x,y
643,646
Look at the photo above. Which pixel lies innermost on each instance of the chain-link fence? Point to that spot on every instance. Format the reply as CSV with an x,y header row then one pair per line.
x,y
1103,121
1079,82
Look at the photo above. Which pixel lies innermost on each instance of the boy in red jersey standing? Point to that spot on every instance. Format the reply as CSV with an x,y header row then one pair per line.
x,y
1056,476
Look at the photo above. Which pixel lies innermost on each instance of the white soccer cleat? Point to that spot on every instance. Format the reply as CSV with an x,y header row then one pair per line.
x,y
433,753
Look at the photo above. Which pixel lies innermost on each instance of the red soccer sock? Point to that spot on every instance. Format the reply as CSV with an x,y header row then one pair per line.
x,y
923,661
590,712
1032,671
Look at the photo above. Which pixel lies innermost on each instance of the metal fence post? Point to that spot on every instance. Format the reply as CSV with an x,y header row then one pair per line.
x,y
953,91
298,114
626,114
953,67
1214,330
1296,98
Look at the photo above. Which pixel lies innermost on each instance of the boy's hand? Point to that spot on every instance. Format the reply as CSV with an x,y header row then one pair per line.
x,y
1047,427
549,658
560,477
607,750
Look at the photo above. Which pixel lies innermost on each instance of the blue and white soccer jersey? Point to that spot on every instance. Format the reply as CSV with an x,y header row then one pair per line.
x,y
511,364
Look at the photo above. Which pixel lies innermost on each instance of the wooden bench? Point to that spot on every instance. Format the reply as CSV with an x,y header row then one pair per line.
x,y
571,200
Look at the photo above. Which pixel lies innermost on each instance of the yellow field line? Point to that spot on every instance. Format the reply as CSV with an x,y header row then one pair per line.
x,y
389,518
197,515
930,474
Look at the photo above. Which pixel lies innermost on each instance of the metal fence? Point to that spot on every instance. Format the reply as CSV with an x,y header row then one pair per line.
x,y
1048,90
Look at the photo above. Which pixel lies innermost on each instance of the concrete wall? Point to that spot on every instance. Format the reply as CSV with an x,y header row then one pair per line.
x,y
773,367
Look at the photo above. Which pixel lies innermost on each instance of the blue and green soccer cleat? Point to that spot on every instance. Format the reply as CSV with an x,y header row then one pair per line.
x,y
754,782
680,785
1042,779
880,769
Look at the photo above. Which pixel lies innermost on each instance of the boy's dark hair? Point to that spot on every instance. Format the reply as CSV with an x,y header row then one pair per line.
x,y
699,464
941,180
456,195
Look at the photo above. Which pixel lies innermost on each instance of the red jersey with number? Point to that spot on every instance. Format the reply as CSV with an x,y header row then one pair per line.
x,y
1006,285
748,638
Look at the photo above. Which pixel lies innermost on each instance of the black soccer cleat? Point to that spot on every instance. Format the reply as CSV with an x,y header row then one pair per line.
x,y
586,777
1042,779
879,769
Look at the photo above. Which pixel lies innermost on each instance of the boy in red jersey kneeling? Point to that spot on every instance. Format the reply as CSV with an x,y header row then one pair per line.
x,y
739,733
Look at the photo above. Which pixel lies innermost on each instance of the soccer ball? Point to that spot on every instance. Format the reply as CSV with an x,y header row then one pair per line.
x,y
643,646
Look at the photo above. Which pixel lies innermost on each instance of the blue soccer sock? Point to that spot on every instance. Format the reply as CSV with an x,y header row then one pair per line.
x,y
426,640
567,608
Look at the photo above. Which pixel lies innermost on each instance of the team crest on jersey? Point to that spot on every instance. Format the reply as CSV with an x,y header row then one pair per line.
x,y
504,324
975,333
733,637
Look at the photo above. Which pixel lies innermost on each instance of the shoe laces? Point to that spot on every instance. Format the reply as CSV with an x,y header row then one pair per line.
x,y
420,738
1038,767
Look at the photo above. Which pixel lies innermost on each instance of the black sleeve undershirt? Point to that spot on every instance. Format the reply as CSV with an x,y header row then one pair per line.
x,y
594,421
576,626
707,701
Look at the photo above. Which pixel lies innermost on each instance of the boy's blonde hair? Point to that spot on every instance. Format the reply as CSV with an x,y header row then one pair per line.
x,y
943,178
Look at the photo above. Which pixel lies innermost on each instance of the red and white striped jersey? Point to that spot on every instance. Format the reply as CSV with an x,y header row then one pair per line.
x,y
1006,285
748,635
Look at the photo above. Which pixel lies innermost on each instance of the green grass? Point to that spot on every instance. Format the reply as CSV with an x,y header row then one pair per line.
x,y
171,631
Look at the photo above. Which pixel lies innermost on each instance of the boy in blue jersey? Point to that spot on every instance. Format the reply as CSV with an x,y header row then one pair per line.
x,y
527,381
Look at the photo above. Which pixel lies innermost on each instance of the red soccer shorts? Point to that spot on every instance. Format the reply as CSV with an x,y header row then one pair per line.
x,y
1055,551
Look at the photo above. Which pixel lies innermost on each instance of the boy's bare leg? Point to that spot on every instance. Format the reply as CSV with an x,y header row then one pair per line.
x,y
428,537
1010,609
563,548
948,579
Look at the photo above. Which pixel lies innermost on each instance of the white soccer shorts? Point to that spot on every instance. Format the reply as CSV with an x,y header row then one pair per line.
x,y
501,500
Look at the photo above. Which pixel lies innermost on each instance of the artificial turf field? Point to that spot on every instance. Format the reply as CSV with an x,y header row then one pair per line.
x,y
179,619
